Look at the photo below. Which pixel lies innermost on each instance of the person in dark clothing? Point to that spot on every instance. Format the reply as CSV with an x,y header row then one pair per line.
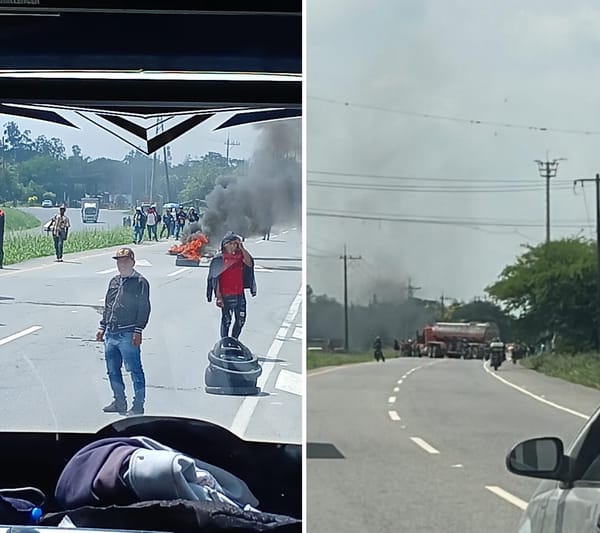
x,y
378,349
180,219
192,215
139,225
230,273
167,221
396,347
126,314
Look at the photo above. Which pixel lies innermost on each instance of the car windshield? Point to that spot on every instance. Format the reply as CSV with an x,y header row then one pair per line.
x,y
120,301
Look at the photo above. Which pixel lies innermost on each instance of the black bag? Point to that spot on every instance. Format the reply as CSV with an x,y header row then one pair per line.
x,y
63,233
21,506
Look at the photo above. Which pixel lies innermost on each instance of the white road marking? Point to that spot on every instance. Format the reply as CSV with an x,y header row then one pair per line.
x,y
107,271
18,335
391,399
259,268
242,418
298,333
394,416
400,381
143,263
291,382
535,396
424,445
285,232
456,466
396,389
180,271
518,502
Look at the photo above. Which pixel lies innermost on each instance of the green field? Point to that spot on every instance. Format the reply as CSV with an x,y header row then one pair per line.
x,y
583,369
15,219
19,247
315,359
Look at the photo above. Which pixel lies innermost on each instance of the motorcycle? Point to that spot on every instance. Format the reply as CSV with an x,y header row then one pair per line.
x,y
378,354
497,355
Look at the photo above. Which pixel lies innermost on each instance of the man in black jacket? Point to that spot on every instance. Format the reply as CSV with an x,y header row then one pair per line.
x,y
229,274
126,314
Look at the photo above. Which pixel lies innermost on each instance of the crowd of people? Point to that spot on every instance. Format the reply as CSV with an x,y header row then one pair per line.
x,y
171,223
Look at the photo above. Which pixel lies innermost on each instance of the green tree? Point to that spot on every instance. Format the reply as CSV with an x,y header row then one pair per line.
x,y
551,289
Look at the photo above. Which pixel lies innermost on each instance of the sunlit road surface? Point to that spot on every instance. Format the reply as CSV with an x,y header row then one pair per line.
x,y
53,373
419,444
107,218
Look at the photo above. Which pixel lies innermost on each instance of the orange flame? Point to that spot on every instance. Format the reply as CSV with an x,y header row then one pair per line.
x,y
191,249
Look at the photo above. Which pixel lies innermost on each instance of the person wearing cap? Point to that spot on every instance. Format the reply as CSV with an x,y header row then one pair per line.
x,y
59,226
126,314
229,274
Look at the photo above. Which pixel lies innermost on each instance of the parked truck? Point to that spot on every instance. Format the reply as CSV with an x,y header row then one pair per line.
x,y
468,340
90,209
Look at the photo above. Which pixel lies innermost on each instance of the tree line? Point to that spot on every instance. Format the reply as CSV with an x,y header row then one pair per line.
x,y
548,295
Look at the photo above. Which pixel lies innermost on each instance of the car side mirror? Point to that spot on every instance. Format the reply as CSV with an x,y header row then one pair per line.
x,y
542,457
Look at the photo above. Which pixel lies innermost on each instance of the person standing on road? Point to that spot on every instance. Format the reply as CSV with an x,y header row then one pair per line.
x,y
230,273
151,223
59,225
139,223
126,314
180,219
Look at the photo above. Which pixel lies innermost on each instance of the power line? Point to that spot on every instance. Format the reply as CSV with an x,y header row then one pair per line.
x,y
424,178
431,189
460,120
444,222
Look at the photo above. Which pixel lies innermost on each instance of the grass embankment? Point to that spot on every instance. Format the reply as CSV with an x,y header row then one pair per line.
x,y
15,219
22,247
317,359
583,369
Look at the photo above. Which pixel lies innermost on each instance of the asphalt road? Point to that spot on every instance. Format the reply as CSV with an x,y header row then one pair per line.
x,y
419,444
53,371
107,219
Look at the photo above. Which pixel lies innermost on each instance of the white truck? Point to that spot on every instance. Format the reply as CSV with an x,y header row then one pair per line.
x,y
90,209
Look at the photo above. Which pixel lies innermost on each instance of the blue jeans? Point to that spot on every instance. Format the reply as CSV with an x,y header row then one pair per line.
x,y
58,246
138,234
118,348
235,304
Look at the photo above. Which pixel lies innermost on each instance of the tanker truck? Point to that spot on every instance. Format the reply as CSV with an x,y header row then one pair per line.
x,y
468,340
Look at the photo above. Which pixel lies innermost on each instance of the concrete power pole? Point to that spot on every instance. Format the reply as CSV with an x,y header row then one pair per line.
x,y
229,143
596,180
548,170
345,257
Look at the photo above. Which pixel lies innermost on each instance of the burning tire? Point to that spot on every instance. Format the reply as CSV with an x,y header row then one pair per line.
x,y
232,369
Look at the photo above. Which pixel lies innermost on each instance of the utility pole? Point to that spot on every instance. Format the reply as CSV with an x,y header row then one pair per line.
x,y
345,257
548,170
596,180
411,289
230,143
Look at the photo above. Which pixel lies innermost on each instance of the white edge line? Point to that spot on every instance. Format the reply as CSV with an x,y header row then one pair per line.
x,y
424,445
391,399
535,396
18,335
400,381
518,502
396,389
242,418
394,416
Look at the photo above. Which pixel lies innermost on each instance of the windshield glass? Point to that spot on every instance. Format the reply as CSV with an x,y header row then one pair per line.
x,y
127,262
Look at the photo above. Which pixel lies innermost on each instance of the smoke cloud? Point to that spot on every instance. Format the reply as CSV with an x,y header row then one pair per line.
x,y
269,193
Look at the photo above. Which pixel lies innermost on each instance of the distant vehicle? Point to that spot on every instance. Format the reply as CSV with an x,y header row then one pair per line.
x,y
458,339
47,203
90,209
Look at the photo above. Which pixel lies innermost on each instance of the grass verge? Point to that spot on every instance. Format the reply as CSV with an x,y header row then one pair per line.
x,y
22,247
583,369
315,359
15,219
